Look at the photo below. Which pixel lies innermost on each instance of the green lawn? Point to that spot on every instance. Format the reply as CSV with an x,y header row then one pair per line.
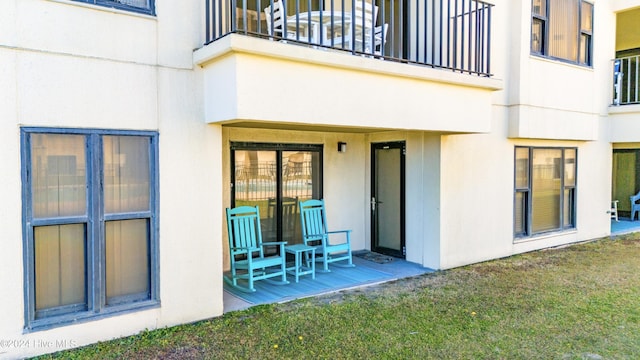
x,y
578,302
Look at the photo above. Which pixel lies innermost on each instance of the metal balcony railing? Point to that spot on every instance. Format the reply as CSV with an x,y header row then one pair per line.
x,y
447,34
625,80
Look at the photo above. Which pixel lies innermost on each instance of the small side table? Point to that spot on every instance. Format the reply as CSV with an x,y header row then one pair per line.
x,y
298,269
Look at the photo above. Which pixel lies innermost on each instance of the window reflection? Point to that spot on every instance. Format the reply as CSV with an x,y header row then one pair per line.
x,y
59,265
59,175
126,173
127,259
275,181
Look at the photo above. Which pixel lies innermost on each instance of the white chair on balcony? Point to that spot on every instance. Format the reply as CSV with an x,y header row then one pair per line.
x,y
277,19
365,14
379,38
364,17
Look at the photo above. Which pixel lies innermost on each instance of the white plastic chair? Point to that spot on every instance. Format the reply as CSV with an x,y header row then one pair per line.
x,y
363,17
365,14
379,38
614,210
277,18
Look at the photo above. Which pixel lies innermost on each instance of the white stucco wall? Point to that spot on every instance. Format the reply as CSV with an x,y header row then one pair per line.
x,y
620,5
477,188
459,186
552,99
11,283
330,88
544,103
477,182
70,65
66,64
624,123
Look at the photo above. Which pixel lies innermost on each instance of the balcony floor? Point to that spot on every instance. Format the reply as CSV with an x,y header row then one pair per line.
x,y
365,273
624,226
368,273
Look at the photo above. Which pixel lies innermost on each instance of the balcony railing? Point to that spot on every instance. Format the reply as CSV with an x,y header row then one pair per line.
x,y
625,84
447,34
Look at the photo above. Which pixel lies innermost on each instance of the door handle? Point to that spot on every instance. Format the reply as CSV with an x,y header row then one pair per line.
x,y
374,202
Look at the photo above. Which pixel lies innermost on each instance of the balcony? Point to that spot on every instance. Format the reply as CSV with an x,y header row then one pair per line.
x,y
624,114
626,85
387,65
452,35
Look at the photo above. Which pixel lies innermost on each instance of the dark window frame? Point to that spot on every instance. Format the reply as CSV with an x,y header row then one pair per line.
x,y
527,195
114,4
278,148
580,33
588,34
94,220
543,20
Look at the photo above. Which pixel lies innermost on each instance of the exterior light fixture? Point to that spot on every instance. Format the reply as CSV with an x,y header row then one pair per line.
x,y
342,146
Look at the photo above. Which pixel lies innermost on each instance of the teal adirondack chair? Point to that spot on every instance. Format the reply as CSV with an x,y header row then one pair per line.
x,y
315,233
246,250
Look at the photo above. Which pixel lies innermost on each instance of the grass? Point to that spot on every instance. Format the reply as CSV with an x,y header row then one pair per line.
x,y
577,302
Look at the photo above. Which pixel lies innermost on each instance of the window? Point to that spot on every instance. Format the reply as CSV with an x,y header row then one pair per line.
x,y
90,220
275,177
562,29
141,6
545,189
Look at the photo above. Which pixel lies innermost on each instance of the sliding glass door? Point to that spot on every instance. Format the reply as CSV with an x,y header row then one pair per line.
x,y
275,177
626,178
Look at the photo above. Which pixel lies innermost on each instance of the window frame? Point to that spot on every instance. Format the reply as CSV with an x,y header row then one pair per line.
x,y
580,32
543,19
278,149
94,220
588,34
151,10
527,191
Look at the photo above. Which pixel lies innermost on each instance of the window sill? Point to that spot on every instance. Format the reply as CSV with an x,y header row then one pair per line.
x,y
560,61
544,236
138,14
624,109
86,316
